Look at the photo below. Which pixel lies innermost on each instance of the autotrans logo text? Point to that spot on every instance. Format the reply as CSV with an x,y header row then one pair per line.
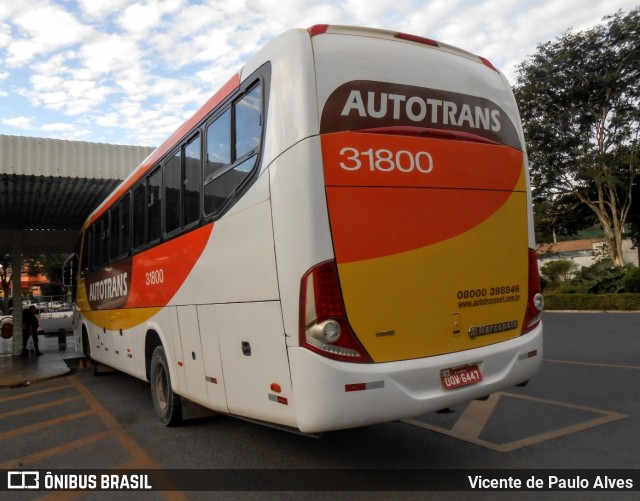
x,y
368,104
109,288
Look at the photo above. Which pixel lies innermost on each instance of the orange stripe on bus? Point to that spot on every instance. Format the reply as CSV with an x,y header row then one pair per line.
x,y
369,223
176,258
360,159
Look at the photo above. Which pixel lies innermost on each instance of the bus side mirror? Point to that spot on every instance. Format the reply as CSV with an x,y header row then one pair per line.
x,y
68,270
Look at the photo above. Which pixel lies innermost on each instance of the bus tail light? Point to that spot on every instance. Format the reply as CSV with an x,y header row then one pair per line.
x,y
535,301
318,29
487,63
324,328
416,39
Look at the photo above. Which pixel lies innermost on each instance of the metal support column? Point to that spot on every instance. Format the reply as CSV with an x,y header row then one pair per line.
x,y
16,266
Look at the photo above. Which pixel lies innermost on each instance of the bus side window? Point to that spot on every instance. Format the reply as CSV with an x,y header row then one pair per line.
x,y
218,145
248,123
222,181
100,242
154,205
95,246
172,174
125,226
85,264
114,232
182,187
191,184
139,216
218,157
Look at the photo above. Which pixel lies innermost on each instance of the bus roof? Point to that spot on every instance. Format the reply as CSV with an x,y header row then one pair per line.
x,y
336,29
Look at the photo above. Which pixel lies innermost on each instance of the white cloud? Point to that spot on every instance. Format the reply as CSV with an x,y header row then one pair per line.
x,y
138,18
138,68
58,126
43,30
5,35
63,130
110,53
101,8
108,120
21,122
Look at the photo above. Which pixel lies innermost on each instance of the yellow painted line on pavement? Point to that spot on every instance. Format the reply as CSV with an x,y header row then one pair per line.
x,y
140,459
32,393
45,424
55,451
476,415
40,407
139,456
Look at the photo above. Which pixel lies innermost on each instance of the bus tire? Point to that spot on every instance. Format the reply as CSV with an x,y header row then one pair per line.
x,y
86,347
167,405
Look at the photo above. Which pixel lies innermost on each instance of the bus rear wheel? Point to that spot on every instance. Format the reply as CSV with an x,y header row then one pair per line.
x,y
167,405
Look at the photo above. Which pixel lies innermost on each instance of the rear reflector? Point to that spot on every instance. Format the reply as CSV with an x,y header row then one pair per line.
x,y
373,385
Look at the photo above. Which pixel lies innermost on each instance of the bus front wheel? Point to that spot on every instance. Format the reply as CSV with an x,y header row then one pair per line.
x,y
166,403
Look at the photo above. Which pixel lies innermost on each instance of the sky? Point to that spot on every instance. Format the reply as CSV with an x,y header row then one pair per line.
x,y
130,72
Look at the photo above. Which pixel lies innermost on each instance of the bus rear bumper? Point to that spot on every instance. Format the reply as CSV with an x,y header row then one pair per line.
x,y
331,395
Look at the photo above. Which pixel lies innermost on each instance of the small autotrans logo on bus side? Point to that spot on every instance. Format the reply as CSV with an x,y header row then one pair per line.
x,y
483,330
109,287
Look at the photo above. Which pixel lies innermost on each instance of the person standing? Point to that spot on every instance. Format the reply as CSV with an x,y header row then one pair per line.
x,y
30,327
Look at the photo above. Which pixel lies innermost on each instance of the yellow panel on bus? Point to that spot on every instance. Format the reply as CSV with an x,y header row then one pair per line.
x,y
430,237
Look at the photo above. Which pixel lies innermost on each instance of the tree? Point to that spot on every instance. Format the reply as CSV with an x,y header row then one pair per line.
x,y
49,265
558,270
562,217
580,104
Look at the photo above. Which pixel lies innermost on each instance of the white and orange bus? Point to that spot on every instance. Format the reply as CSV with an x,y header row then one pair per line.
x,y
341,236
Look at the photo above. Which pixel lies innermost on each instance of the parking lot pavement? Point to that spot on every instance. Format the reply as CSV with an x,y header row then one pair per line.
x,y
22,371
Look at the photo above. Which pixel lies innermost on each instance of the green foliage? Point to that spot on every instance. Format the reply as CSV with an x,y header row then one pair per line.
x,y
562,218
558,270
593,302
599,278
49,265
579,100
631,280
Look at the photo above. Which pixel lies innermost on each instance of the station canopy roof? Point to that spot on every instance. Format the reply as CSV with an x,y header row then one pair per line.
x,y
48,187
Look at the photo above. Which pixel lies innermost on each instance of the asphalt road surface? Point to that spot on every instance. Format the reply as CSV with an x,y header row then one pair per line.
x,y
581,412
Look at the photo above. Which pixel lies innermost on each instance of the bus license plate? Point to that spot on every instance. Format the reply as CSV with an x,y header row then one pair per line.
x,y
460,376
